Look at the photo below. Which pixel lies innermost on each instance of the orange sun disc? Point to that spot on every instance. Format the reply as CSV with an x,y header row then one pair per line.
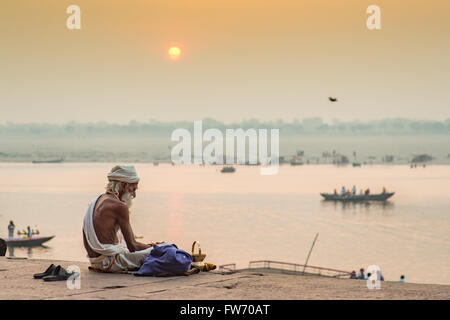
x,y
174,53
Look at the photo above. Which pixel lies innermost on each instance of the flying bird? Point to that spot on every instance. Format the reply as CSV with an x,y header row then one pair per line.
x,y
332,99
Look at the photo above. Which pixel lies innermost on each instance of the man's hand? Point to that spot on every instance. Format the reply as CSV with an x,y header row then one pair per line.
x,y
158,242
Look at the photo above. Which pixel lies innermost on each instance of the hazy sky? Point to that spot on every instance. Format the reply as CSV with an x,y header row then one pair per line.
x,y
241,59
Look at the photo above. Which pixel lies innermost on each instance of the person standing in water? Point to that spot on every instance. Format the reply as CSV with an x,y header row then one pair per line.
x,y
30,232
11,228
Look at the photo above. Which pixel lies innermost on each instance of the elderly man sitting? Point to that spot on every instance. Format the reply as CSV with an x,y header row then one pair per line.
x,y
107,217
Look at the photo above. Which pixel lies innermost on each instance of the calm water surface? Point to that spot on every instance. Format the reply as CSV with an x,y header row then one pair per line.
x,y
244,216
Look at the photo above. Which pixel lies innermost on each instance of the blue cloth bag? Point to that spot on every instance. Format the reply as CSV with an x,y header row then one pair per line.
x,y
165,258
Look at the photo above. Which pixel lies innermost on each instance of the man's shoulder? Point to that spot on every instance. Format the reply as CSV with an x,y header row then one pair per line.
x,y
113,205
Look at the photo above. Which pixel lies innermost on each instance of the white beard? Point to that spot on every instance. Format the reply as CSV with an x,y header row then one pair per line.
x,y
128,199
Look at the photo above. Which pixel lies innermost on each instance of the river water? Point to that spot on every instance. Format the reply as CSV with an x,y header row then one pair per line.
x,y
243,216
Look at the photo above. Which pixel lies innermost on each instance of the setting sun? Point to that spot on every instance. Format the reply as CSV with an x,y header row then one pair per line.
x,y
174,53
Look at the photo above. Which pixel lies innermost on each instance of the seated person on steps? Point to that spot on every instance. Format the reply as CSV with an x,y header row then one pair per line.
x,y
107,219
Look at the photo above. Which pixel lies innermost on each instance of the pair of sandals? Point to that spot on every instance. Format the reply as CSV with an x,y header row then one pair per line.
x,y
55,273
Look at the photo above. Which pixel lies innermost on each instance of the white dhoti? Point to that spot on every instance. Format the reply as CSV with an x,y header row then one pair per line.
x,y
129,261
113,257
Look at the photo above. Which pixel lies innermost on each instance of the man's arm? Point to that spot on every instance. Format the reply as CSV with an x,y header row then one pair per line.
x,y
123,218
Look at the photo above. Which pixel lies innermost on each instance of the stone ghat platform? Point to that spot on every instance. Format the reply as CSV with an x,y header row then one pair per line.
x,y
16,282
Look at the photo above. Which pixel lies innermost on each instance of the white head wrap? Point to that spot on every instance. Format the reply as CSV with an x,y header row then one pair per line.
x,y
125,174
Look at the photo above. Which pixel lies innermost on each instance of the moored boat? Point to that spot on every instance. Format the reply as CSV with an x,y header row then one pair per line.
x,y
27,241
356,197
60,160
228,169
296,161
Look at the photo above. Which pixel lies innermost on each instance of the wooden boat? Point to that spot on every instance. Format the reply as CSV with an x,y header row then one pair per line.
x,y
26,241
48,161
357,197
296,161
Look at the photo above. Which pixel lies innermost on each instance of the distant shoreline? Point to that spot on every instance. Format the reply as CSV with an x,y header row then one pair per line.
x,y
142,148
224,164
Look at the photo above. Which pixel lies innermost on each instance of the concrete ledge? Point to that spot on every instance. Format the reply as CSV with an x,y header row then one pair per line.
x,y
16,278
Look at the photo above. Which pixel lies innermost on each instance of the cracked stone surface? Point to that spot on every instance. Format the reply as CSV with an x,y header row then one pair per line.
x,y
16,282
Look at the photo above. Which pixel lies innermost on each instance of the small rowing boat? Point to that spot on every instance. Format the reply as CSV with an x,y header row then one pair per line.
x,y
26,241
356,197
60,160
228,169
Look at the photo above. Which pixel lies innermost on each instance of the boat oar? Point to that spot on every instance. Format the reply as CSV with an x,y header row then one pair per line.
x,y
310,250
